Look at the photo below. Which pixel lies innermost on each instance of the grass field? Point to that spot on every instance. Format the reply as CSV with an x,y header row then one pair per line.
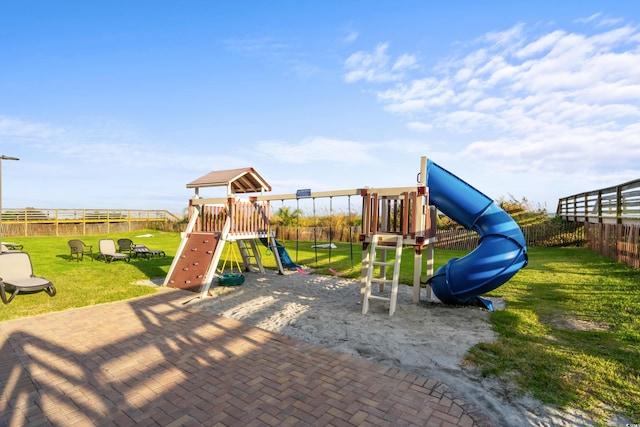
x,y
569,336
86,282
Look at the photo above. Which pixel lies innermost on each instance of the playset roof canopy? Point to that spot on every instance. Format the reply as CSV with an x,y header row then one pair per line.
x,y
243,180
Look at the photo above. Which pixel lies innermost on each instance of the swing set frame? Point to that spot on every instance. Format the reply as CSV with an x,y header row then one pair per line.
x,y
390,211
395,211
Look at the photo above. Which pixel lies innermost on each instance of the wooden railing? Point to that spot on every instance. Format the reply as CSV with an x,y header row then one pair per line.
x,y
247,218
618,204
398,211
611,218
75,222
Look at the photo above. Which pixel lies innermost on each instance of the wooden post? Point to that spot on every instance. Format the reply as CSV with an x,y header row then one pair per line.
x,y
405,216
619,204
599,206
419,224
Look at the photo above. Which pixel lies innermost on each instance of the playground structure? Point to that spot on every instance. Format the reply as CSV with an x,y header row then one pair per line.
x,y
214,222
392,218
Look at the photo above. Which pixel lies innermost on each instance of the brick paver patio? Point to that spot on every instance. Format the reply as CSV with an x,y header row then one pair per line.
x,y
156,361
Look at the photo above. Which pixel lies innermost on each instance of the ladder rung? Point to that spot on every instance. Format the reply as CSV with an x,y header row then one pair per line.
x,y
380,280
389,264
379,298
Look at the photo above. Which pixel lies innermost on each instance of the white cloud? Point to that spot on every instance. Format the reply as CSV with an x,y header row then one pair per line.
x,y
589,19
262,46
102,162
275,50
418,95
599,20
541,45
351,36
377,66
420,126
337,152
508,39
26,131
549,103
405,62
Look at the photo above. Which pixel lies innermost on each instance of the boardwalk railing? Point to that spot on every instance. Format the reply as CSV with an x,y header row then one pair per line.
x,y
79,222
611,217
619,204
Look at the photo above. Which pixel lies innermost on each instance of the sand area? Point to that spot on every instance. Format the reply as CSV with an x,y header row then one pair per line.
x,y
426,339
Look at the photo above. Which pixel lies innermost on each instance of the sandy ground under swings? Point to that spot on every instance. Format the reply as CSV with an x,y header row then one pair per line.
x,y
426,339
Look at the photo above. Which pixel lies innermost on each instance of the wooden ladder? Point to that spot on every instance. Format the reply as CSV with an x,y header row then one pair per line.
x,y
249,253
382,244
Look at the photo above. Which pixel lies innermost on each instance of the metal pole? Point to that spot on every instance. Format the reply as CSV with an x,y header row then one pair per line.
x,y
3,157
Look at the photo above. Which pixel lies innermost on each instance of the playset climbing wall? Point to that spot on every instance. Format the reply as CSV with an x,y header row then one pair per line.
x,y
194,260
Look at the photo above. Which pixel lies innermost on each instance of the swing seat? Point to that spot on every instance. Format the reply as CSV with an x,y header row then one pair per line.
x,y
231,279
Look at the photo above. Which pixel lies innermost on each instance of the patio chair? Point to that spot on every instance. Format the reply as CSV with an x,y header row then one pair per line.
x,y
12,246
125,246
144,252
16,272
108,251
79,249
5,248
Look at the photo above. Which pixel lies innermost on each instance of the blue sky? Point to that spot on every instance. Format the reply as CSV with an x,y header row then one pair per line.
x,y
119,104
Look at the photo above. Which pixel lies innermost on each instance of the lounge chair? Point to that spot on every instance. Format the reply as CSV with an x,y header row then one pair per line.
x,y
145,252
16,272
12,246
4,248
79,249
125,246
108,251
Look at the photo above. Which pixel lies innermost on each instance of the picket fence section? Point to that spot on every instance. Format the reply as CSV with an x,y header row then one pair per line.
x,y
617,241
560,233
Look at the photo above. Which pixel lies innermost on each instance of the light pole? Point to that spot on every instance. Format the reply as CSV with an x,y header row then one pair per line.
x,y
3,157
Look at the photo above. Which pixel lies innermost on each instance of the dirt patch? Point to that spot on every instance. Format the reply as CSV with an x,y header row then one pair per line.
x,y
570,324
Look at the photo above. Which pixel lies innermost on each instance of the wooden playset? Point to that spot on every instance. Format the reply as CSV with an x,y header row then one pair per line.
x,y
392,218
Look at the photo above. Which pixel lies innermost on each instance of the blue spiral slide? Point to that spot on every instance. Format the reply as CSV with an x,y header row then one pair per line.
x,y
502,250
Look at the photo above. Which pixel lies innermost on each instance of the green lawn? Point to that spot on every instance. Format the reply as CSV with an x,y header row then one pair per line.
x,y
570,333
86,282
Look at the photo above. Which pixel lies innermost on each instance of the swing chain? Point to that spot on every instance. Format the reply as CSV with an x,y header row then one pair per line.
x,y
269,241
231,255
